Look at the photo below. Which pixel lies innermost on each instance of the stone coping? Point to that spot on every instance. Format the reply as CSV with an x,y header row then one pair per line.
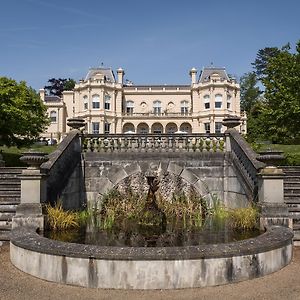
x,y
275,237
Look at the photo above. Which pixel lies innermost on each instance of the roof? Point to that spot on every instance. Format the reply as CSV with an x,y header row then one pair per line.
x,y
107,72
52,99
208,71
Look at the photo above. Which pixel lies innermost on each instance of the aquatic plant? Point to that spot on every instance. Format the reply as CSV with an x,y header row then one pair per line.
x,y
59,219
245,218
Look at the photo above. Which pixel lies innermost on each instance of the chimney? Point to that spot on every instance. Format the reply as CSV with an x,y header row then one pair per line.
x,y
121,74
193,74
42,94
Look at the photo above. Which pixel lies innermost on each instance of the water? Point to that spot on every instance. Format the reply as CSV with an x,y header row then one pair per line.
x,y
137,236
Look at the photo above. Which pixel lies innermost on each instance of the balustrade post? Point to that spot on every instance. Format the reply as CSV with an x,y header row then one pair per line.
x,y
230,122
273,209
33,192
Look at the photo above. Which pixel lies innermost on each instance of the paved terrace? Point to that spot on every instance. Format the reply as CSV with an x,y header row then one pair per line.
x,y
284,284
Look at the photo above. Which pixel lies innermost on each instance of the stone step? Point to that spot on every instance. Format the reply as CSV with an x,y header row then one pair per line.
x,y
291,197
16,191
9,194
10,181
6,216
8,207
291,183
4,235
10,199
5,226
11,170
10,188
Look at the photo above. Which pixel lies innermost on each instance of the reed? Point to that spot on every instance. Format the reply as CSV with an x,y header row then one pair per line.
x,y
59,219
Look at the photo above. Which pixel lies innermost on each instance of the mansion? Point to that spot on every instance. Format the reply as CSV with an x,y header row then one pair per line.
x,y
109,104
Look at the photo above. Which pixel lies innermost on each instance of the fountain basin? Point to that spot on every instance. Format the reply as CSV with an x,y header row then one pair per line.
x,y
150,268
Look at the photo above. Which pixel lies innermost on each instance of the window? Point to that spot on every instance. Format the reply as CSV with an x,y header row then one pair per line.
x,y
228,105
85,103
207,127
218,101
228,101
206,102
53,116
143,130
96,101
157,107
218,127
107,102
129,107
106,128
95,127
184,109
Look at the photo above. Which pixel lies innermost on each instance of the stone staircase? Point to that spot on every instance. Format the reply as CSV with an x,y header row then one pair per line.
x,y
292,196
10,193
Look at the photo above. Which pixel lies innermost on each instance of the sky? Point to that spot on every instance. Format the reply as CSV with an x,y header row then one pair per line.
x,y
154,41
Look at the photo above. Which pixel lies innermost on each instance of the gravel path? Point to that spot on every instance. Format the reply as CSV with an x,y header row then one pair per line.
x,y
282,285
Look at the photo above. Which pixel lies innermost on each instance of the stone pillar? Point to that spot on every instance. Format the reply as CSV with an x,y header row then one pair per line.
x,y
273,209
230,122
33,192
77,124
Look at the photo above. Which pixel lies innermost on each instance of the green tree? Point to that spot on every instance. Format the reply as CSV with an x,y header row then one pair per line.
x,y
57,86
250,92
262,58
282,93
22,114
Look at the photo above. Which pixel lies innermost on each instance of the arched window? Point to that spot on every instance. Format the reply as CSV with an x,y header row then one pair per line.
x,y
206,101
184,107
53,116
107,102
218,101
85,103
129,107
96,101
157,107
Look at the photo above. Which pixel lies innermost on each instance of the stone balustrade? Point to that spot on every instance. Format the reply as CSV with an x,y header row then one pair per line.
x,y
154,143
245,160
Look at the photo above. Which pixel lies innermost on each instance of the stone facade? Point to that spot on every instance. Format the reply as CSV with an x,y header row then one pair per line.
x,y
110,105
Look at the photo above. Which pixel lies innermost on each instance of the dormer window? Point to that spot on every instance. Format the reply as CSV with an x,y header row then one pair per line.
x,y
95,101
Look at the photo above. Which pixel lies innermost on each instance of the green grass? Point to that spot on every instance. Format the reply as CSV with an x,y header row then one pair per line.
x,y
291,152
11,155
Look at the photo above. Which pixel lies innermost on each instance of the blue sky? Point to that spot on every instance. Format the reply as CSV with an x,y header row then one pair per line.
x,y
155,41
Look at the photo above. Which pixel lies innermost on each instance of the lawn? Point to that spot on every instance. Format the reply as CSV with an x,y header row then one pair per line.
x,y
11,155
290,152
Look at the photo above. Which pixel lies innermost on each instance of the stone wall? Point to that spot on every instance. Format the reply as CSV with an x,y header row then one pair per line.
x,y
207,173
64,171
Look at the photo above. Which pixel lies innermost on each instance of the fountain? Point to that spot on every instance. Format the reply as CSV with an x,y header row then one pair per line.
x,y
150,266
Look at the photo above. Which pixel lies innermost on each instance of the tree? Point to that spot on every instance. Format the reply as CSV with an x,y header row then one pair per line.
x,y
262,58
57,86
250,93
282,92
22,114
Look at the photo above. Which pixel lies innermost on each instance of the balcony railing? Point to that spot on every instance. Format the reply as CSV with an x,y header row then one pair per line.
x,y
154,143
158,115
